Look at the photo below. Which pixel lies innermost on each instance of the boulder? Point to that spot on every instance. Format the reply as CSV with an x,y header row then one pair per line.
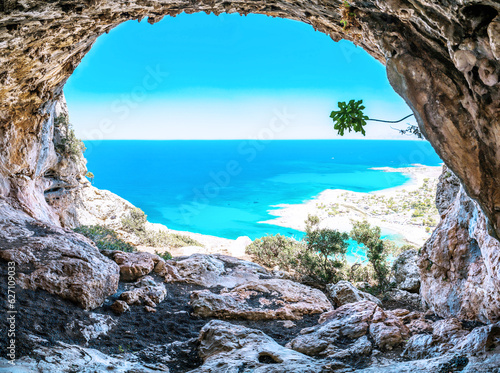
x,y
119,307
95,326
479,340
145,291
226,347
56,260
406,272
261,300
135,265
64,358
212,271
351,321
445,335
403,298
344,292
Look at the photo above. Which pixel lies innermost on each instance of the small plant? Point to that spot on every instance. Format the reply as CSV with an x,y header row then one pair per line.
x,y
90,175
429,264
164,255
68,145
104,238
135,221
348,19
350,116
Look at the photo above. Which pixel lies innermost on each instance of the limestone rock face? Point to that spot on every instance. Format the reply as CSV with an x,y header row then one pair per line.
x,y
344,292
406,271
261,300
56,260
212,270
460,263
93,206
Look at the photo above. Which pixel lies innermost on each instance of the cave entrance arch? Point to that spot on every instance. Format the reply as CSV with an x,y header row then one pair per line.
x,y
122,104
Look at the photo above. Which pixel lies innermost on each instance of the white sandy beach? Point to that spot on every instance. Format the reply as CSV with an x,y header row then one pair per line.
x,y
337,208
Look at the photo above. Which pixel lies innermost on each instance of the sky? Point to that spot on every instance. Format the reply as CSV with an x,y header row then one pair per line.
x,y
203,76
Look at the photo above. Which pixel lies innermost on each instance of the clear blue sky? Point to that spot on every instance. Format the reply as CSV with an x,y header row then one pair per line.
x,y
201,76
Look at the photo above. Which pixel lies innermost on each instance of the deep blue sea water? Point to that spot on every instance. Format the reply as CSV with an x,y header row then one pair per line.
x,y
224,188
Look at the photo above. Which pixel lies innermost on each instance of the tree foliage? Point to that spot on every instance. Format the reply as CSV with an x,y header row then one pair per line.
x,y
326,248
349,117
318,259
376,249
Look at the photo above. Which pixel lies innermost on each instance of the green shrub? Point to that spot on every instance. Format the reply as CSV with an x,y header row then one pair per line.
x,y
165,239
278,250
376,249
135,221
69,146
319,259
90,175
164,255
104,238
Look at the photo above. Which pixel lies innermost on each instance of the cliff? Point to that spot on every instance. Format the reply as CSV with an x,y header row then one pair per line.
x,y
460,263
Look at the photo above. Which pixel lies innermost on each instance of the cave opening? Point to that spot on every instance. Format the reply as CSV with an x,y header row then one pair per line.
x,y
441,57
241,86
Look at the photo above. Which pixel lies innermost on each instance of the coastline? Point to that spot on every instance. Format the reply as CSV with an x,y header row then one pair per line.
x,y
337,207
211,244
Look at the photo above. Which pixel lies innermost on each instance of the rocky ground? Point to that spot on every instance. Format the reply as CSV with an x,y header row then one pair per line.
x,y
214,313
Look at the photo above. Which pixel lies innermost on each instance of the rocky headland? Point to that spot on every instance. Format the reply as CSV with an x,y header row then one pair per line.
x,y
407,211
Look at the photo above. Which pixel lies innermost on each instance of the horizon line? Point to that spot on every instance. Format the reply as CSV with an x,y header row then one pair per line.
x,y
254,139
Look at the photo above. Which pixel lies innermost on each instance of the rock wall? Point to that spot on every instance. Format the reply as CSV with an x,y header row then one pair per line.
x,y
442,57
460,263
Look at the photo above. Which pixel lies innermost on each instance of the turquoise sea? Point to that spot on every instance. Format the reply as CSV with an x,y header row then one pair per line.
x,y
224,188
